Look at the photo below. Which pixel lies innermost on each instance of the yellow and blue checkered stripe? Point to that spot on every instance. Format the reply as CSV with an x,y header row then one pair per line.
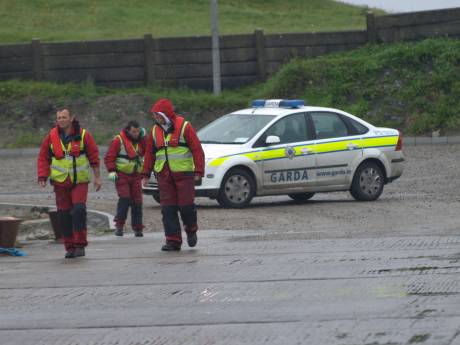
x,y
319,148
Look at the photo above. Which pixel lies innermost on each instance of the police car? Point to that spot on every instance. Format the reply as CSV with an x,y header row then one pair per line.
x,y
281,147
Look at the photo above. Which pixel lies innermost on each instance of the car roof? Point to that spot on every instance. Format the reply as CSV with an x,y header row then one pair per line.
x,y
274,111
283,111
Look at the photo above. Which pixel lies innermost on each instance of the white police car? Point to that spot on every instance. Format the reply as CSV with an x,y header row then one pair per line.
x,y
284,147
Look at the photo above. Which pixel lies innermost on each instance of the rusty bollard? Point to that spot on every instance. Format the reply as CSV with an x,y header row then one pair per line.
x,y
9,228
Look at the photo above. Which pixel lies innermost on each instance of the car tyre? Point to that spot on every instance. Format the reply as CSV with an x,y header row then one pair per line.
x,y
367,182
237,189
301,197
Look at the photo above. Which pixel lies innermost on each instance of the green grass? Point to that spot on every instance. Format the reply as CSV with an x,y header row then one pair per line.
x,y
66,20
414,87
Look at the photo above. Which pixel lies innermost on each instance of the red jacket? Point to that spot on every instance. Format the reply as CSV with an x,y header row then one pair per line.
x,y
114,148
44,156
165,106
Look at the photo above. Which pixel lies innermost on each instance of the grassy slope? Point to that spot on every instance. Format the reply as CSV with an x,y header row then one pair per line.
x,y
411,86
64,20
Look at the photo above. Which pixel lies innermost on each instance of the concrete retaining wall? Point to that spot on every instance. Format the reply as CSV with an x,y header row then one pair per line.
x,y
37,225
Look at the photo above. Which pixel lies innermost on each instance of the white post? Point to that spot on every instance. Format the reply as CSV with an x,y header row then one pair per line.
x,y
215,49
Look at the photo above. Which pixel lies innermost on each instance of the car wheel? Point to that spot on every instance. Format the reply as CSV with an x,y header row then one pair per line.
x,y
368,182
237,189
301,197
156,197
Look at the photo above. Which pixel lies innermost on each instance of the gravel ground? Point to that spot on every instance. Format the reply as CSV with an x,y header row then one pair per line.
x,y
424,201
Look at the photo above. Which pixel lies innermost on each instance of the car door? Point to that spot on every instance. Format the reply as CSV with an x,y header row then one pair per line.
x,y
337,147
289,164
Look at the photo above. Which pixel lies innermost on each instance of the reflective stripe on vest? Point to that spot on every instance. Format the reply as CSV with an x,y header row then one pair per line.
x,y
179,158
69,165
126,165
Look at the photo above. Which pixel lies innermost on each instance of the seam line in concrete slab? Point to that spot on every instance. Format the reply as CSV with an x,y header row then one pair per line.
x,y
169,325
225,281
162,256
432,294
156,325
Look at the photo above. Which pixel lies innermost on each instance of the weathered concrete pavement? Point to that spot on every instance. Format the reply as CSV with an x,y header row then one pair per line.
x,y
235,288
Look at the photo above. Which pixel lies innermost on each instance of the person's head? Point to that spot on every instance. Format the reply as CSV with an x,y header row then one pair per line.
x,y
64,118
161,109
133,129
159,118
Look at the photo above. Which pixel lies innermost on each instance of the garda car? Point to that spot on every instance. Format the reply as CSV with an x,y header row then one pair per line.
x,y
281,147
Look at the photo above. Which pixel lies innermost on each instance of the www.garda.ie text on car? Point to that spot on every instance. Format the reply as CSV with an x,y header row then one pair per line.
x,y
284,147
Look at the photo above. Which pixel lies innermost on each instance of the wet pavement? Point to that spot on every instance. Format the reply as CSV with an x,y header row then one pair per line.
x,y
332,271
235,287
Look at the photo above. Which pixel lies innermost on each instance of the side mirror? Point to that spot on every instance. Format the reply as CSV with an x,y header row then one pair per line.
x,y
272,139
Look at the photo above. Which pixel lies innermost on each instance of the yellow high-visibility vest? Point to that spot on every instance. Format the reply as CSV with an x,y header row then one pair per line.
x,y
179,158
124,163
75,167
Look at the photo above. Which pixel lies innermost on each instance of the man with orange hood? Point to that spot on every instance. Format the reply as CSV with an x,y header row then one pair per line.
x,y
65,157
174,153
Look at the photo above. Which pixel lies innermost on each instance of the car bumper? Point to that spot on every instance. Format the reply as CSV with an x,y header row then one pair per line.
x,y
397,168
201,191
391,179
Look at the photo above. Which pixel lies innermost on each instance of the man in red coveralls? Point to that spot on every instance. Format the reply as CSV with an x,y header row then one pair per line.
x,y
174,153
124,164
65,156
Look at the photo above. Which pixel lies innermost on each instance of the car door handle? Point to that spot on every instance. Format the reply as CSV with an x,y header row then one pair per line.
x,y
352,146
307,150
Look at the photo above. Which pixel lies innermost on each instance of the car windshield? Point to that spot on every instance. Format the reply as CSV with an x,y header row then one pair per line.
x,y
233,128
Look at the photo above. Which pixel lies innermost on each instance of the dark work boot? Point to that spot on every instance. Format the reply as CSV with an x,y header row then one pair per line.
x,y
138,234
70,254
192,239
80,251
118,232
171,246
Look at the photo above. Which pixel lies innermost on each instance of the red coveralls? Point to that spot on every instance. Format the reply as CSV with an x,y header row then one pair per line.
x,y
177,189
129,186
70,198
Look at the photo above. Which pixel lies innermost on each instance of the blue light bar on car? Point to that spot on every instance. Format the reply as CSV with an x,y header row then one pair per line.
x,y
278,103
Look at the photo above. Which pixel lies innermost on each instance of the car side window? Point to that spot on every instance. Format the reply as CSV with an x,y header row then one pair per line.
x,y
357,127
329,125
289,129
